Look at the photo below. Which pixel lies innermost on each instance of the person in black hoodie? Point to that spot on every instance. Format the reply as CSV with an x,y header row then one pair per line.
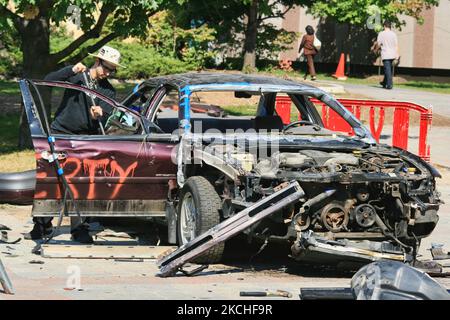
x,y
77,115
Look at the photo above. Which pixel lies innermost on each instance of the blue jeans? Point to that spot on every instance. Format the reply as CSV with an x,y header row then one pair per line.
x,y
387,81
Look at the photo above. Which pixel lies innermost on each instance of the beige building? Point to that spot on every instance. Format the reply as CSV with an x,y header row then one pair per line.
x,y
421,46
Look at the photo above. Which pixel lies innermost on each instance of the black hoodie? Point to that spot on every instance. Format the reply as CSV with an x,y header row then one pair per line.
x,y
73,116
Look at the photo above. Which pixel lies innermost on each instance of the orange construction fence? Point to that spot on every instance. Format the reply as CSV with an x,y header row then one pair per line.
x,y
400,126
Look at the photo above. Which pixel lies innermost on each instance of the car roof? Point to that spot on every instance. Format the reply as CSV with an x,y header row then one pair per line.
x,y
208,78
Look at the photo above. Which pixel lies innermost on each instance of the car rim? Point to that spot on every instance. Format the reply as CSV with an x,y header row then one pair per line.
x,y
187,218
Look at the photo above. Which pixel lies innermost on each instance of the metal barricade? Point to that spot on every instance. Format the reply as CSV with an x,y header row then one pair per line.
x,y
377,108
283,108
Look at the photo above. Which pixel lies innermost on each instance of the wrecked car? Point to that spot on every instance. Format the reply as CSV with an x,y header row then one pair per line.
x,y
191,170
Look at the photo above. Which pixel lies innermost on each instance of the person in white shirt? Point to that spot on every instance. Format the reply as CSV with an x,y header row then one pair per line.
x,y
388,43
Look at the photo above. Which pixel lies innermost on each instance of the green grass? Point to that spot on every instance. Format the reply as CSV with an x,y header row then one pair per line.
x,y
441,86
11,158
9,87
9,133
243,110
428,86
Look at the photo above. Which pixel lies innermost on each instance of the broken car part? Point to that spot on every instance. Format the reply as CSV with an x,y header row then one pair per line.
x,y
391,280
310,247
383,280
288,194
437,252
4,238
4,280
326,294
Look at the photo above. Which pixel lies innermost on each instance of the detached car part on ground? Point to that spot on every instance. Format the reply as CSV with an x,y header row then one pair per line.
x,y
377,200
383,280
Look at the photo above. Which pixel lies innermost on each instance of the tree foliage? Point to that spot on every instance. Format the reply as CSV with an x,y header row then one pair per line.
x,y
243,26
191,43
357,12
129,18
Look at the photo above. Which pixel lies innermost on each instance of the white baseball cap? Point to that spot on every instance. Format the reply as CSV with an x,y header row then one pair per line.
x,y
108,54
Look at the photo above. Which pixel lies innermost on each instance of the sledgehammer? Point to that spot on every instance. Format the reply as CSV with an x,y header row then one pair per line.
x,y
278,293
93,102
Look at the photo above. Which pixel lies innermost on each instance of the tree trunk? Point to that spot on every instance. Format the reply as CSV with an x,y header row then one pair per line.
x,y
250,37
35,36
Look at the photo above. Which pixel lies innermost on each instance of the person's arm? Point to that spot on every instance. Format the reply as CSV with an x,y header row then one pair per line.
x,y
65,73
105,108
302,44
377,44
397,50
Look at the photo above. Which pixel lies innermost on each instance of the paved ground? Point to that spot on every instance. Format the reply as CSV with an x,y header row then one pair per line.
x,y
439,101
109,279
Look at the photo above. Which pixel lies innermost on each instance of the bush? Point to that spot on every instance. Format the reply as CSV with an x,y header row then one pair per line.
x,y
10,54
141,61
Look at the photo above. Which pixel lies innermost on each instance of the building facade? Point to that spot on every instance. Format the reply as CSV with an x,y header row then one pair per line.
x,y
421,46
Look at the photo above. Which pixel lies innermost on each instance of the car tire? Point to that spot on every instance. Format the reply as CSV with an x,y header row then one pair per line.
x,y
198,211
17,187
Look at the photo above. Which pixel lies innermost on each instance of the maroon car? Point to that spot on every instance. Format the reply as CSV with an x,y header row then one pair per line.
x,y
161,159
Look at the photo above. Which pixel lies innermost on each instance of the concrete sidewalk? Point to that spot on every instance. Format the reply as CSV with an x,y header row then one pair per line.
x,y
439,101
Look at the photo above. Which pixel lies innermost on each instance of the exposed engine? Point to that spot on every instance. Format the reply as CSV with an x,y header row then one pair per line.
x,y
369,194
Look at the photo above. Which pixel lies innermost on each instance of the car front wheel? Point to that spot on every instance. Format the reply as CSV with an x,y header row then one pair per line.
x,y
198,211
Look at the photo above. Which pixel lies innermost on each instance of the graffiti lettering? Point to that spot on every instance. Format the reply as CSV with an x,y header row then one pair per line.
x,y
72,168
123,174
89,166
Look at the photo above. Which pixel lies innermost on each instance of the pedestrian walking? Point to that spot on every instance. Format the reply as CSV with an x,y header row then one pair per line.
x,y
309,46
388,43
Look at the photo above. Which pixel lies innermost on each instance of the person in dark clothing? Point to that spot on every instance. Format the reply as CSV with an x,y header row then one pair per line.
x,y
309,51
77,115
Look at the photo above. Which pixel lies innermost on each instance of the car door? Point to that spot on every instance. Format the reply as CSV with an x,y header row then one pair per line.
x,y
124,174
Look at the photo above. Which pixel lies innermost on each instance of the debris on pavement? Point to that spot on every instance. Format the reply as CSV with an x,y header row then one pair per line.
x,y
36,262
3,227
326,294
104,251
437,252
129,260
383,280
4,238
278,293
391,280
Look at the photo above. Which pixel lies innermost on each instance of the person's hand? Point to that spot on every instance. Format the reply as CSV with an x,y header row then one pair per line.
x,y
79,67
96,112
